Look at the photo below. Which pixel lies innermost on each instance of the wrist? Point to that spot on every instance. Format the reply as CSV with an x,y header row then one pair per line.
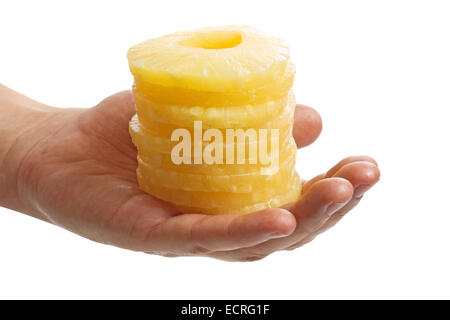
x,y
22,127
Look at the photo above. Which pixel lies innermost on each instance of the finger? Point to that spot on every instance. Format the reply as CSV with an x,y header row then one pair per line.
x,y
120,104
349,160
359,174
307,125
198,234
338,216
312,210
311,182
323,199
334,169
327,225
363,175
118,109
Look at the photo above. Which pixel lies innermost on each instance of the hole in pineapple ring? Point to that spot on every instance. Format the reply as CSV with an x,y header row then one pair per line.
x,y
214,40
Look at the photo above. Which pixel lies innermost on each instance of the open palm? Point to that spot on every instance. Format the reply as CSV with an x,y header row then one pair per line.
x,y
81,176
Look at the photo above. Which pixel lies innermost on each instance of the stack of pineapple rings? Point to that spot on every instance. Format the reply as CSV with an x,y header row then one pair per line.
x,y
227,78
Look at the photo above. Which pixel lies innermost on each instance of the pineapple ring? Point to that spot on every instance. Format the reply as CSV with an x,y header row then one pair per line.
x,y
240,183
276,202
163,160
221,59
272,114
226,202
162,129
145,140
188,97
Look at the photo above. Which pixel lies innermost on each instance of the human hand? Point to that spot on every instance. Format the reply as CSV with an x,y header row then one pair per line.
x,y
79,173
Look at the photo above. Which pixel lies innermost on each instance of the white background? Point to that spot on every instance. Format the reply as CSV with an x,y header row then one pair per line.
x,y
377,71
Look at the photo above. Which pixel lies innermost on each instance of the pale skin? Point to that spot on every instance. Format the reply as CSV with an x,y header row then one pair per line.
x,y
75,168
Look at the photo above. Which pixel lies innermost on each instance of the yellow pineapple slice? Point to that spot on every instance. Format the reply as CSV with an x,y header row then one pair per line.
x,y
248,59
189,97
271,114
226,202
240,183
158,128
147,141
163,160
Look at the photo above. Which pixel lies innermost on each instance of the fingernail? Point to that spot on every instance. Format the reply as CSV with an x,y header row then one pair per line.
x,y
360,190
334,207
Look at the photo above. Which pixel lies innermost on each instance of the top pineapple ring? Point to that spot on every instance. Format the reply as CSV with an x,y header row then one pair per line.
x,y
222,59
